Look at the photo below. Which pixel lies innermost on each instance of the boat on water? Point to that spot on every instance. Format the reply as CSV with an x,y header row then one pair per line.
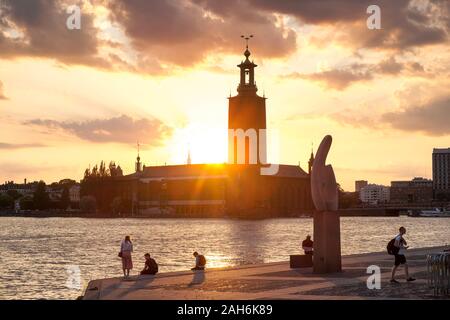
x,y
435,212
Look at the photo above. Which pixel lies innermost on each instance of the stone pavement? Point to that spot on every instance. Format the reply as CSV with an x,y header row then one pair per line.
x,y
274,281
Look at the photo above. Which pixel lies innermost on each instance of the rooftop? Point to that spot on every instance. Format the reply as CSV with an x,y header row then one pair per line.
x,y
208,170
441,150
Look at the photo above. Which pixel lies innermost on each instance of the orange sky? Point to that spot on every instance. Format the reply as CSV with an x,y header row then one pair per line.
x,y
159,72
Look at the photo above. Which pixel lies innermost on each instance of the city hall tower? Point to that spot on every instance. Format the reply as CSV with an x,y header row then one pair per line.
x,y
247,118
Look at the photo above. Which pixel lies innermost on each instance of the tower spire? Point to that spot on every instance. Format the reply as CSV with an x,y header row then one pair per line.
x,y
311,159
247,82
189,160
246,38
138,159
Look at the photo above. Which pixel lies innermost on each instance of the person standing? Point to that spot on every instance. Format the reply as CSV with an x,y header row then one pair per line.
x,y
126,248
399,254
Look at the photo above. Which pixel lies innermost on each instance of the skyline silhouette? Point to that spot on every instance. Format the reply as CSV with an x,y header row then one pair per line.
x,y
78,99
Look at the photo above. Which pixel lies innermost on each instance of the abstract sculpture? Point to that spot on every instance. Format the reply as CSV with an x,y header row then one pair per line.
x,y
323,182
324,191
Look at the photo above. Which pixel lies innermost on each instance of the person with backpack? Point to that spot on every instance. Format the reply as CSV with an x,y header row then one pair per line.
x,y
200,261
150,267
397,247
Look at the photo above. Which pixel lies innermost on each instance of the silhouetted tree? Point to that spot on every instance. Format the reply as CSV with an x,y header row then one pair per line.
x,y
67,182
14,194
6,201
88,204
65,198
98,182
40,198
26,203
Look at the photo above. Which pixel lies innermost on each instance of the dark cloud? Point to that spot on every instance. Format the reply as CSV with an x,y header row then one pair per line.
x,y
121,129
338,79
10,146
348,118
432,119
41,31
2,92
343,77
185,32
404,24
181,32
391,66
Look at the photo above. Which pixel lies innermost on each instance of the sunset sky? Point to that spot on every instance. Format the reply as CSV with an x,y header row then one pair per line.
x,y
159,72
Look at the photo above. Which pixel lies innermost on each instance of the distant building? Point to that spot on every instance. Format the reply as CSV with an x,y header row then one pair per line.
x,y
417,190
74,193
359,184
54,192
374,194
216,190
21,188
441,173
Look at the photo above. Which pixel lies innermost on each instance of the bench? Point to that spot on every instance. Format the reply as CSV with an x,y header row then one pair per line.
x,y
301,261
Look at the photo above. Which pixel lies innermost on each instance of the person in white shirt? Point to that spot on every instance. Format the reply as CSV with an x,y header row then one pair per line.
x,y
401,245
126,248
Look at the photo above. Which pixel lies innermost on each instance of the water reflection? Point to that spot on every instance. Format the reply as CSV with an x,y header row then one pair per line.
x,y
36,252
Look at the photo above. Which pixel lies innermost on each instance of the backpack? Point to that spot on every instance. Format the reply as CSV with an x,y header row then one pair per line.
x,y
202,260
391,248
153,266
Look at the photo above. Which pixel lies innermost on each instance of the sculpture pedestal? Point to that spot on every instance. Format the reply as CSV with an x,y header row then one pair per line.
x,y
327,242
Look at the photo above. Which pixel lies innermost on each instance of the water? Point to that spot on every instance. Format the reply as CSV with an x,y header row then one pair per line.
x,y
35,253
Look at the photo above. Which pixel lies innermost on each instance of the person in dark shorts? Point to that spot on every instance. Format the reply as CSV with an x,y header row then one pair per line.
x,y
400,258
308,245
150,267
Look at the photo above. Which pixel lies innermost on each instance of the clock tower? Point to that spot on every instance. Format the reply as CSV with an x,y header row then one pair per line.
x,y
247,118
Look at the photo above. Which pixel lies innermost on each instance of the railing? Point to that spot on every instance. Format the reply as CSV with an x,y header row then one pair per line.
x,y
438,269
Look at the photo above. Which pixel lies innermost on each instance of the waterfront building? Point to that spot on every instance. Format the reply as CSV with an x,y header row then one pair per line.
x,y
441,173
23,189
374,194
238,188
417,190
359,184
74,193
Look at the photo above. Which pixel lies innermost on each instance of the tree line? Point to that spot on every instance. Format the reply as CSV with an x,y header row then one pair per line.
x,y
99,191
39,199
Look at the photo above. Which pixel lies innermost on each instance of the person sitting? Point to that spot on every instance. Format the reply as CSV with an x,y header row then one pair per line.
x,y
150,267
200,261
308,245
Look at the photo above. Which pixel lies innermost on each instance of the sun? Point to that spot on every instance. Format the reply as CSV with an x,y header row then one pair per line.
x,y
205,143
